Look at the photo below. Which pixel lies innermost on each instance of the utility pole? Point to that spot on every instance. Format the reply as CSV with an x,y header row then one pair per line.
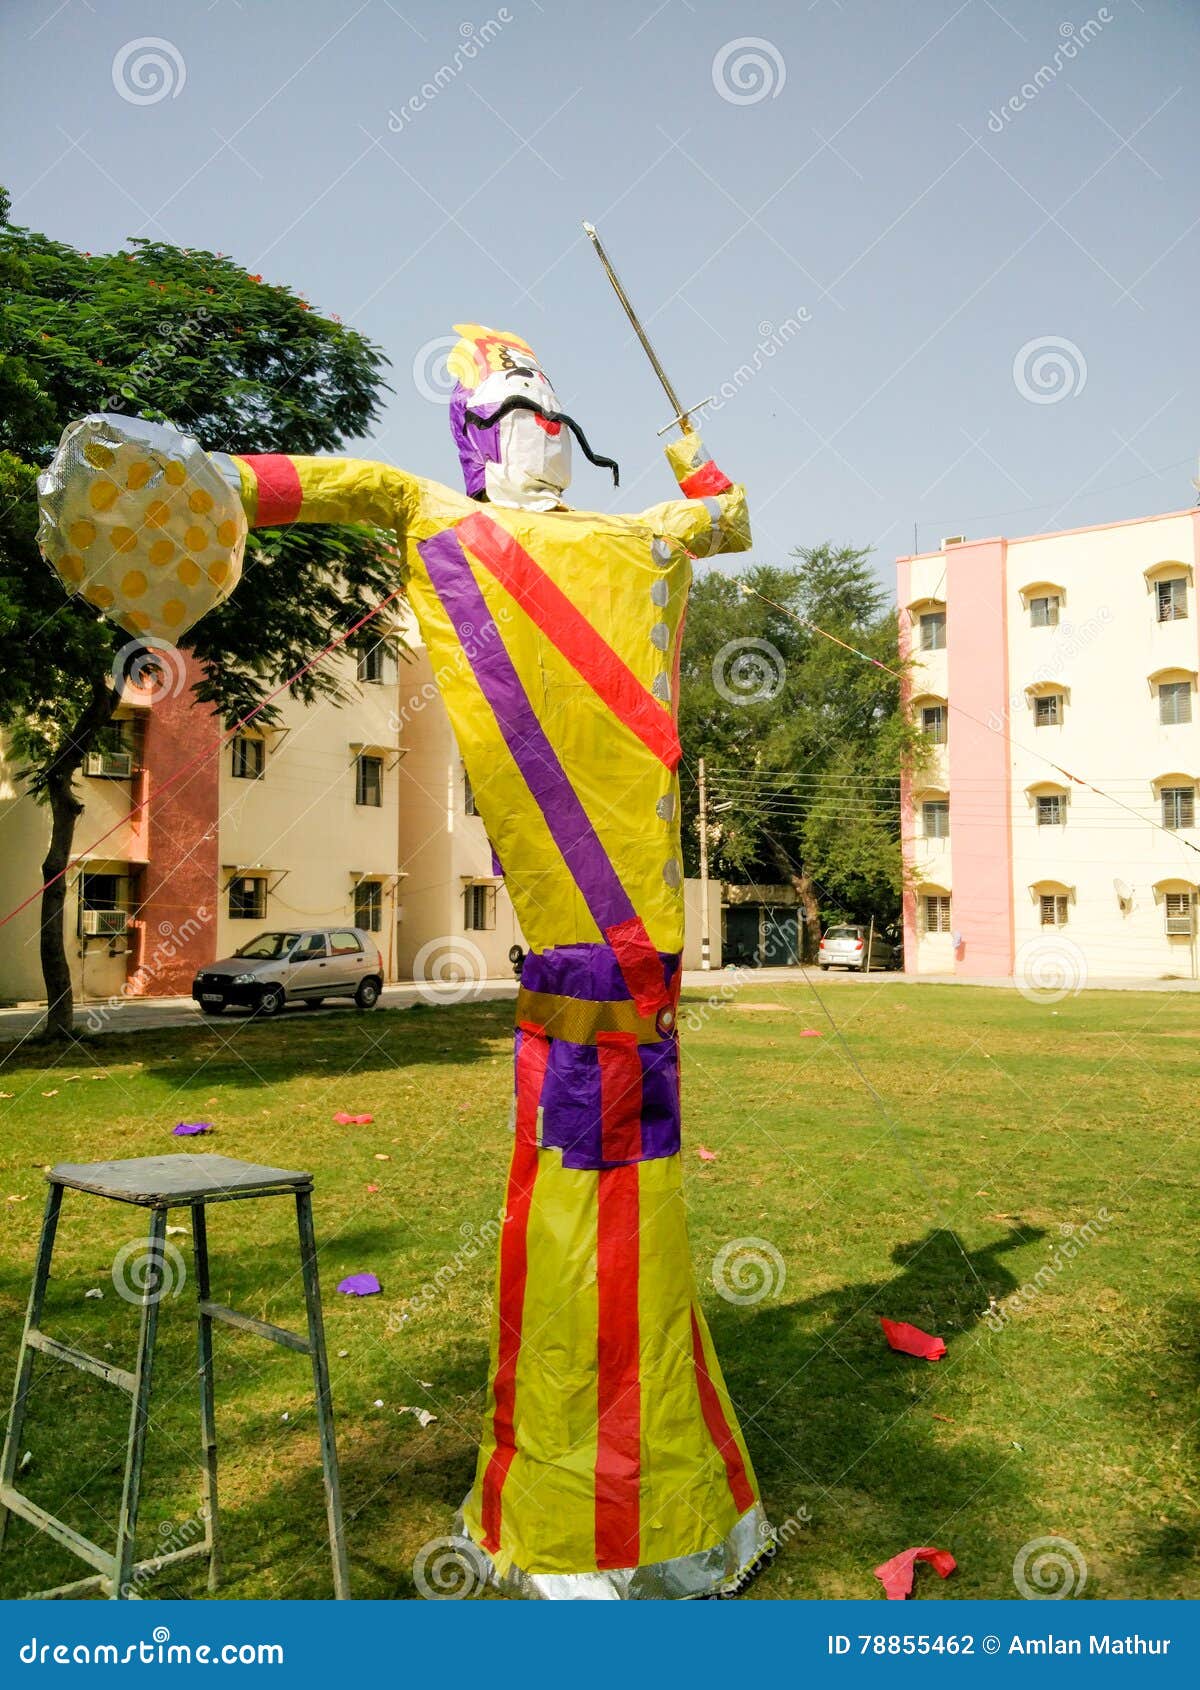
x,y
705,948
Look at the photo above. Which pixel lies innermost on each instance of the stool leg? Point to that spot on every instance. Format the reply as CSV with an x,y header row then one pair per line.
x,y
208,1421
320,1367
139,1418
33,1315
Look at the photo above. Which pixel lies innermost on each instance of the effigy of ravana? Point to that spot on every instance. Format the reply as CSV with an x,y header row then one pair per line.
x,y
611,1462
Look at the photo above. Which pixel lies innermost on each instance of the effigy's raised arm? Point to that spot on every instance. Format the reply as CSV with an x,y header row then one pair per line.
x,y
712,516
144,524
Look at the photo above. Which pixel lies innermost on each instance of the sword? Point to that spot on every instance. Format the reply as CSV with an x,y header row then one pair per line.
x,y
682,417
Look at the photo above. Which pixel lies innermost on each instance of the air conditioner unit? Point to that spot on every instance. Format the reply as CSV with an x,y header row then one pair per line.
x,y
1180,925
111,765
953,540
105,924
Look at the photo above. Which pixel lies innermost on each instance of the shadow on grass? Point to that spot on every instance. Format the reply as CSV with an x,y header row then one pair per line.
x,y
843,1429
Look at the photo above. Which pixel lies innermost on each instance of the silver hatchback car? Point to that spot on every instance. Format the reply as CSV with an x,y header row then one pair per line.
x,y
847,947
296,965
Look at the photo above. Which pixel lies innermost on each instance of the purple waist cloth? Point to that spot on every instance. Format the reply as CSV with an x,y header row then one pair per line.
x,y
571,1105
589,972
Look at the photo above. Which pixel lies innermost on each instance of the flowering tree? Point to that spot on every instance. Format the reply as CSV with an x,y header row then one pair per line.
x,y
188,338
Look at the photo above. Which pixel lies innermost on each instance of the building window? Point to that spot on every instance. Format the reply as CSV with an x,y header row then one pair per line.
x,y
371,661
248,897
1179,806
1048,710
1179,913
480,911
369,782
1051,810
249,757
933,723
1174,702
368,906
933,631
469,808
1172,599
1043,612
1054,909
935,818
937,914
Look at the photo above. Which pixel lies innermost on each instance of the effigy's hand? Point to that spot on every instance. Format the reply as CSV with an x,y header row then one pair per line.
x,y
142,523
712,517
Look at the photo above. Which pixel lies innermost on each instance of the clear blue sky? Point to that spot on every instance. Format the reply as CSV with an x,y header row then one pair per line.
x,y
872,182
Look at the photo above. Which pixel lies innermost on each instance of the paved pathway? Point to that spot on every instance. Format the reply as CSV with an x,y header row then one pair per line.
x,y
135,1015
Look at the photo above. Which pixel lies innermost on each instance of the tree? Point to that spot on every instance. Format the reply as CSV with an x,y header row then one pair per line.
x,y
803,739
189,338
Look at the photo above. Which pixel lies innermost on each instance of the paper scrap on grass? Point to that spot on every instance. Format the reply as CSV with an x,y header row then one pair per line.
x,y
422,1414
808,1033
344,1120
189,1129
911,1341
897,1574
705,1154
360,1285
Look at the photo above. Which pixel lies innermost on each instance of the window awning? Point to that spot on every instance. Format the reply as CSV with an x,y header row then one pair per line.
x,y
1042,590
1175,778
1051,889
1043,689
254,871
360,748
1170,569
358,875
1173,673
1173,883
932,889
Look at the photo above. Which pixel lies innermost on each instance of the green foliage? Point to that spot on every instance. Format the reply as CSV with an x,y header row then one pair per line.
x,y
189,338
803,739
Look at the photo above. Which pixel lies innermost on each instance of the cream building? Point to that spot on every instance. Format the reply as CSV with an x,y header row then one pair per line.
x,y
1053,834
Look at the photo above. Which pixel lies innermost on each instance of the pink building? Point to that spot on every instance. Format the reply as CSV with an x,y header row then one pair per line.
x,y
1052,836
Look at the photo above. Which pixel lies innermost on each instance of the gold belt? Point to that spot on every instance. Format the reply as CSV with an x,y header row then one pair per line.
x,y
578,1020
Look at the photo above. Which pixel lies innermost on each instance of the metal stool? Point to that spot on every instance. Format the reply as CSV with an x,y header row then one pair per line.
x,y
161,1183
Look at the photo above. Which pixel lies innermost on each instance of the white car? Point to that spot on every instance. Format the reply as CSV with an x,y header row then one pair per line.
x,y
301,965
846,947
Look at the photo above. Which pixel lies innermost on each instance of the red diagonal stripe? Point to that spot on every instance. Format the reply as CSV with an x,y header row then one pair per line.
x,y
740,1487
619,1390
514,1271
592,658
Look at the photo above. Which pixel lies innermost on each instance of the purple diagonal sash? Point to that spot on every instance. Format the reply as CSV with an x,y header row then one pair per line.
x,y
535,757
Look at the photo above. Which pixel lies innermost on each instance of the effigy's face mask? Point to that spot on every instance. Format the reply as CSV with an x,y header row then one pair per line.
x,y
528,450
513,437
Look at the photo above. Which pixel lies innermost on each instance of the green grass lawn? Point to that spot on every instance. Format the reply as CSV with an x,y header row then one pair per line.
x,y
1008,1128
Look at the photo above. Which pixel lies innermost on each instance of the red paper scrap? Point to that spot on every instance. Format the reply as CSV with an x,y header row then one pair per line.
x,y
896,1575
705,1154
911,1341
344,1120
808,1033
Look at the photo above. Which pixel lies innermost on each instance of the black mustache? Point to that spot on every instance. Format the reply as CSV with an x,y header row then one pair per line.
x,y
518,402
